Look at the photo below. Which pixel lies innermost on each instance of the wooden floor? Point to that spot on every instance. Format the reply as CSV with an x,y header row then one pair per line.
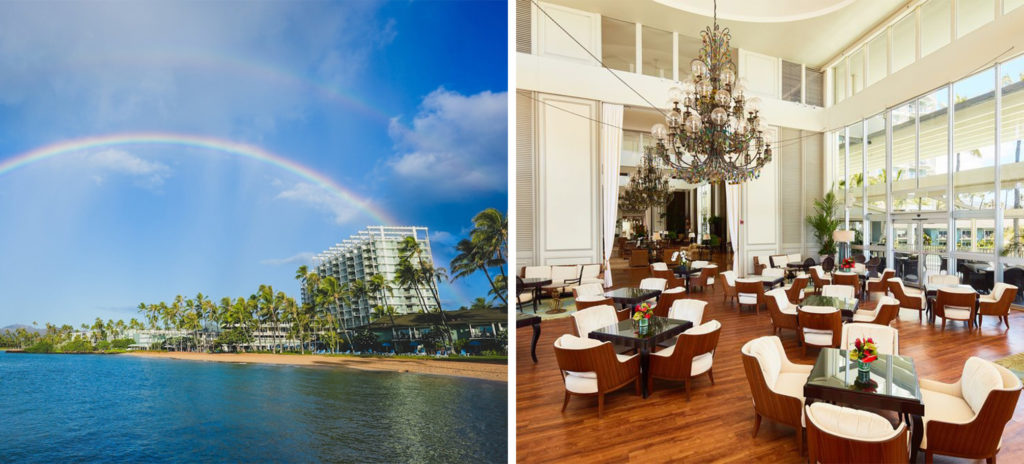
x,y
716,424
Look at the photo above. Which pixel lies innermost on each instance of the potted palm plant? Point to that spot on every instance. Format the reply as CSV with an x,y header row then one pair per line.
x,y
824,222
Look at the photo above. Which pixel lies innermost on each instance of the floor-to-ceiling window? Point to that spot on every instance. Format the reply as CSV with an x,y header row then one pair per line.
x,y
1011,157
943,161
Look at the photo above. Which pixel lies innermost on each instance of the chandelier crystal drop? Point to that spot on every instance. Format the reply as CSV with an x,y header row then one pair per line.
x,y
712,132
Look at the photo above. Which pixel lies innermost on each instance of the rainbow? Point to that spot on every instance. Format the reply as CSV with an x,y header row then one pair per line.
x,y
186,140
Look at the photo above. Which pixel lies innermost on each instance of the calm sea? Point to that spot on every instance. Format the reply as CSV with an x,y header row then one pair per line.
x,y
67,408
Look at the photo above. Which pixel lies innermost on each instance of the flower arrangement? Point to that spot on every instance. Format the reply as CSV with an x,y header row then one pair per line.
x,y
642,311
864,351
847,264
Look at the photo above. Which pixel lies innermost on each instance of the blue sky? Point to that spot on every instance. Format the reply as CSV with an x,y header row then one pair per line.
x,y
402,103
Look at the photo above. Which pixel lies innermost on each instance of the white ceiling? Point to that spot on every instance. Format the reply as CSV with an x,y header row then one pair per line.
x,y
802,31
760,11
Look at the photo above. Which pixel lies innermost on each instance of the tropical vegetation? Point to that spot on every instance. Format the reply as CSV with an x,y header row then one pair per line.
x,y
271,319
825,221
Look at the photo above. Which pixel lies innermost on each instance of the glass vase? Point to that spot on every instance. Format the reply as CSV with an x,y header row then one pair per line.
x,y
863,372
642,325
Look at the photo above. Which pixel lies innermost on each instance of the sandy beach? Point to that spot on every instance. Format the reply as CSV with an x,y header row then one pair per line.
x,y
485,371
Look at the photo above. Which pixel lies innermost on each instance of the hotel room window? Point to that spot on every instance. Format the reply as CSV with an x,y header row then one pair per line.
x,y
972,14
814,82
839,82
791,81
618,44
875,176
839,170
935,25
856,66
689,48
855,169
904,158
878,58
974,142
657,52
933,152
904,42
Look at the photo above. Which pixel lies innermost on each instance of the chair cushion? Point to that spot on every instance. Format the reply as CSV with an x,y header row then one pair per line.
x,y
701,364
956,312
943,408
818,337
979,378
559,274
792,384
863,317
581,382
849,423
653,283
865,314
593,318
748,298
707,327
570,342
659,267
589,298
543,272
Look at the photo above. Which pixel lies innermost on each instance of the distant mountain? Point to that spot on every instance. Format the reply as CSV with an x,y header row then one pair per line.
x,y
29,328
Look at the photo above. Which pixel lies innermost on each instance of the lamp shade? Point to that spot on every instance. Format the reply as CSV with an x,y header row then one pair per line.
x,y
843,236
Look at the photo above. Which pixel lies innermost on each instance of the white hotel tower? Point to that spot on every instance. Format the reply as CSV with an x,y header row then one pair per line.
x,y
373,251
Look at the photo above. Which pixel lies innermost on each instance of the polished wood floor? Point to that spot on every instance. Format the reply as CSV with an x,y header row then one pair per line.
x,y
716,424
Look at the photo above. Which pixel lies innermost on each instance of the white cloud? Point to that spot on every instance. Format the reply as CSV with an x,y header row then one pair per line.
x,y
456,145
440,237
304,257
147,173
321,199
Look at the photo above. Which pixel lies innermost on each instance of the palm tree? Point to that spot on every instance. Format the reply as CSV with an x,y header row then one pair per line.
x,y
359,291
471,258
270,305
338,295
378,284
480,303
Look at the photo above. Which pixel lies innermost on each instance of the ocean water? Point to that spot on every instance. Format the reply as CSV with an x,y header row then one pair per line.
x,y
68,408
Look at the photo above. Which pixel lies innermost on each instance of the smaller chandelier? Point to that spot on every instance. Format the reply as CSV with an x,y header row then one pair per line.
x,y
713,131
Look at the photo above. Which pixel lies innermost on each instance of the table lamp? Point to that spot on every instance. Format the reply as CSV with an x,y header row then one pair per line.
x,y
842,236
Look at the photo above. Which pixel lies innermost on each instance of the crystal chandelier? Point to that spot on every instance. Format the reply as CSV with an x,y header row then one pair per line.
x,y
713,132
648,187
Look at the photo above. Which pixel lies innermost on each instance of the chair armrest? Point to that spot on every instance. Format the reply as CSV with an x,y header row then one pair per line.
x,y
952,389
572,281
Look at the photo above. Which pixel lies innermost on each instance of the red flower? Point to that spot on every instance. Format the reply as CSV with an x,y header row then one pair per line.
x,y
871,358
647,316
856,343
870,340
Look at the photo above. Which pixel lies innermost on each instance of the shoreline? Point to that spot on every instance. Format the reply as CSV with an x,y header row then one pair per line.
x,y
474,370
